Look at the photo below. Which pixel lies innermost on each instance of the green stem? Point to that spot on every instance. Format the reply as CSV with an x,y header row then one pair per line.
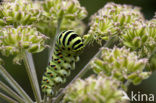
x,y
30,68
10,100
11,92
85,68
52,42
14,84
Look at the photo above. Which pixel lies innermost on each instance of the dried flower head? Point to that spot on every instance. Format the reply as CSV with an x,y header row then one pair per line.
x,y
120,64
94,90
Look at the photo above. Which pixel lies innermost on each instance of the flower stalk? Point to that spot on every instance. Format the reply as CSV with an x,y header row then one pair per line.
x,y
15,85
30,68
10,100
11,92
52,42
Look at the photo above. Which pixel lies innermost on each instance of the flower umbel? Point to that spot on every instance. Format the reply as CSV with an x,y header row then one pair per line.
x,y
20,12
121,64
140,37
100,90
112,20
65,14
16,40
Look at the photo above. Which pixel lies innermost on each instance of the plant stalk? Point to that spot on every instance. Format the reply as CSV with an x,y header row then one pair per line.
x,y
30,68
15,85
52,42
10,100
11,92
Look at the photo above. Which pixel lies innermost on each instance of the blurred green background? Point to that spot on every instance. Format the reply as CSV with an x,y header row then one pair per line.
x,y
148,7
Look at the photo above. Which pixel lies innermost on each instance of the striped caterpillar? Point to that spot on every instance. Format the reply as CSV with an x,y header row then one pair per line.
x,y
67,48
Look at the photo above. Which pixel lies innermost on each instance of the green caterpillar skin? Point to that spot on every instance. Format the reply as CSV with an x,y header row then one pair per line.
x,y
67,48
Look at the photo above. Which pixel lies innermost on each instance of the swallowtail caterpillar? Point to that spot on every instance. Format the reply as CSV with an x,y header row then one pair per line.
x,y
68,46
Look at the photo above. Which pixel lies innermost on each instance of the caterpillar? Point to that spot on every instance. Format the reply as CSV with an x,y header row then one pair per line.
x,y
68,46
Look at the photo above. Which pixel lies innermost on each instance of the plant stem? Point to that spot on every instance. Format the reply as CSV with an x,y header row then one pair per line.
x,y
14,84
30,68
10,100
11,92
85,68
52,42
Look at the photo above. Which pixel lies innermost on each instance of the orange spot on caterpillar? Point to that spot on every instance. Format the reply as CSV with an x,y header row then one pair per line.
x,y
47,81
61,56
51,75
55,68
59,61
